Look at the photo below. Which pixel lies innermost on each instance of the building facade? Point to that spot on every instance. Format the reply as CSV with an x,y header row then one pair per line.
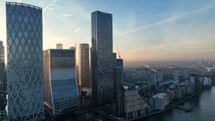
x,y
118,90
2,82
82,62
60,86
134,105
24,62
102,57
161,100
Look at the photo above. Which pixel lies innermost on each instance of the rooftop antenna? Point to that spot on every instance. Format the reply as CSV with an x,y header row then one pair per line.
x,y
118,52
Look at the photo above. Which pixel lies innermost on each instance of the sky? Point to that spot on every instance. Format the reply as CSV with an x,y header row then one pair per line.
x,y
143,30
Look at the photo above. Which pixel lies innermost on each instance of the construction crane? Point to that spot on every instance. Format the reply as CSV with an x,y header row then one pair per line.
x,y
118,52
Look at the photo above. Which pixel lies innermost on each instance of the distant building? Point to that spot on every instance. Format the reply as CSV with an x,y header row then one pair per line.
x,y
60,84
24,62
171,95
207,81
72,48
152,78
59,46
185,73
160,100
2,83
82,62
178,93
160,75
102,58
175,75
134,105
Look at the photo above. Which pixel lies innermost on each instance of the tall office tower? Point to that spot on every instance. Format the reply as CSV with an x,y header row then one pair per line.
x,y
175,75
2,82
59,46
118,90
160,75
102,57
82,58
25,62
60,86
119,63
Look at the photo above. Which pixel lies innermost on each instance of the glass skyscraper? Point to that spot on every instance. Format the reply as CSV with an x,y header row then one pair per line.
x,y
25,62
2,82
102,57
60,84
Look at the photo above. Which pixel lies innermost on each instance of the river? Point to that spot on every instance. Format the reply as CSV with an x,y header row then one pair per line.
x,y
203,105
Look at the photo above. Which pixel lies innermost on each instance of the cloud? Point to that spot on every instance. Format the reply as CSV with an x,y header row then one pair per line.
x,y
48,6
67,15
168,20
76,30
19,1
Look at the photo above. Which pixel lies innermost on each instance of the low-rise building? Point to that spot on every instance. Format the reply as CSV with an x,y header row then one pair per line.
x,y
161,100
171,95
134,105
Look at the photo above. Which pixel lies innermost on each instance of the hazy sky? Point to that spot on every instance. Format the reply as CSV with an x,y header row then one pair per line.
x,y
143,29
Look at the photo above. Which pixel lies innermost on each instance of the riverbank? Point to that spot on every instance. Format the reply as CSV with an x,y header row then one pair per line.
x,y
171,106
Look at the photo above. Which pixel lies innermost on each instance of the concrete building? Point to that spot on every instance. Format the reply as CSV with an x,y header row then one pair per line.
x,y
134,105
82,63
178,93
60,84
102,58
171,95
24,62
160,101
2,83
59,46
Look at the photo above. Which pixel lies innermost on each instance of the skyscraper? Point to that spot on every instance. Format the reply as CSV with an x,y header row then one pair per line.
x,y
82,57
25,62
102,57
118,90
2,82
60,85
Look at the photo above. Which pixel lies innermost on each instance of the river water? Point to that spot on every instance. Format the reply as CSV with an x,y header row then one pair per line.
x,y
203,105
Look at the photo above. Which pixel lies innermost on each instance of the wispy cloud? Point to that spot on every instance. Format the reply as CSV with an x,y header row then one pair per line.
x,y
76,30
48,6
168,20
19,1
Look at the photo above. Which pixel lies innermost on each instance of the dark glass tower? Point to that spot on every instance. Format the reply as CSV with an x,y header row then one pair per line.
x,y
102,57
25,62
2,82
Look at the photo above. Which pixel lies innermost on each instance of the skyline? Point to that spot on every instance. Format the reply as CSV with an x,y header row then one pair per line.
x,y
155,30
